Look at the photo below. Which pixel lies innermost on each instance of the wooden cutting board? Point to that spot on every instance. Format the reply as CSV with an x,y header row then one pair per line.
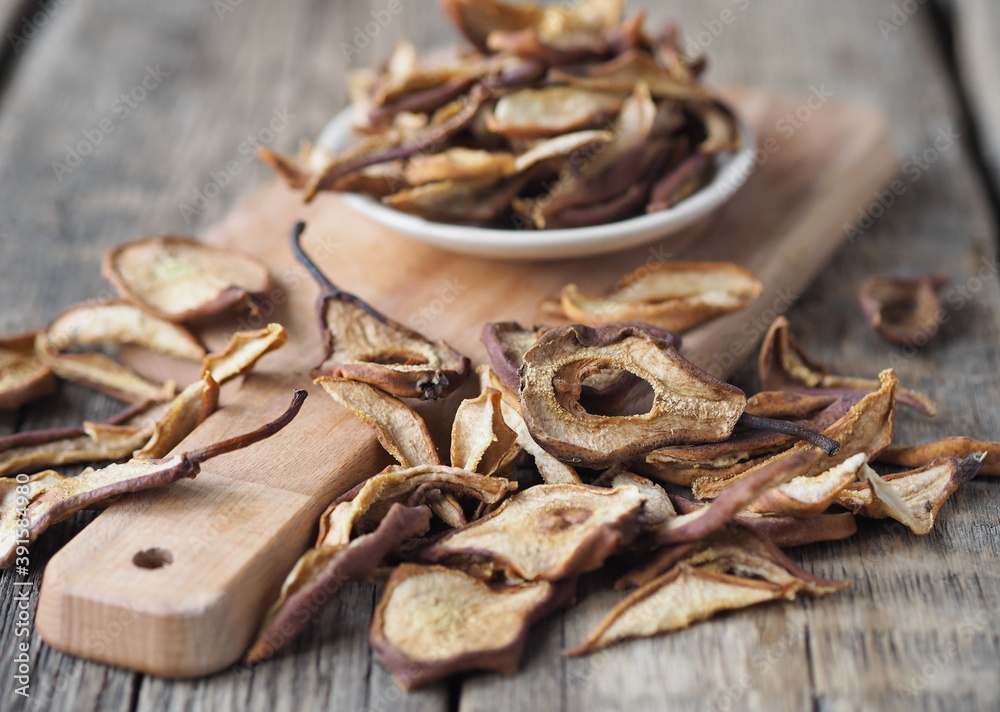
x,y
233,533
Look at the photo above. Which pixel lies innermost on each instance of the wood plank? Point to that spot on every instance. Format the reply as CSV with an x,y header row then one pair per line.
x,y
975,23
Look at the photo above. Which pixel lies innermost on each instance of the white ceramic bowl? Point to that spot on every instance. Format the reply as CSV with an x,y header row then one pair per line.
x,y
549,244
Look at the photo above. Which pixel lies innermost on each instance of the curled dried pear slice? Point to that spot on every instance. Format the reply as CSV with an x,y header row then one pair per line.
x,y
23,375
902,310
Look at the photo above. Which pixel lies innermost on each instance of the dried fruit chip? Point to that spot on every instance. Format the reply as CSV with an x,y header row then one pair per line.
x,y
23,376
551,111
481,441
185,413
626,70
902,310
671,295
721,576
782,364
359,511
243,351
549,532
434,621
112,322
54,497
914,497
689,405
867,428
458,163
809,496
957,447
364,345
476,19
320,572
179,278
400,430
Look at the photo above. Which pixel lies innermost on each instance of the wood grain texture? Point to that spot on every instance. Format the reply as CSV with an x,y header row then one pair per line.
x,y
919,629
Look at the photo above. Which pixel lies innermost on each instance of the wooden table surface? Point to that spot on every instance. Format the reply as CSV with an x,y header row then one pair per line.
x,y
169,96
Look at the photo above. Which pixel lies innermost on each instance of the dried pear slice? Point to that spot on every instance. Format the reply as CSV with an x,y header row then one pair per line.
x,y
549,532
476,19
112,322
23,375
400,430
902,310
359,511
459,162
321,571
362,344
956,447
623,72
185,412
689,405
914,497
867,428
731,572
672,295
178,278
782,364
433,621
808,496
551,111
54,498
481,441
243,351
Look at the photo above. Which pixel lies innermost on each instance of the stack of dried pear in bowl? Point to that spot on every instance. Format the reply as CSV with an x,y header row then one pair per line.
x,y
562,131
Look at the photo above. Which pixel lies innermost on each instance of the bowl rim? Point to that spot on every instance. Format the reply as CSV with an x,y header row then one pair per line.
x,y
733,172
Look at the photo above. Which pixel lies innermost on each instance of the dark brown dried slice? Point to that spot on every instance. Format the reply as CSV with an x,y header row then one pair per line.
x,y
476,19
783,365
914,497
956,447
112,322
623,72
400,430
671,295
689,405
481,441
722,132
321,571
549,532
362,344
178,278
54,498
434,621
787,404
867,428
679,183
551,111
359,511
903,310
506,343
23,375
733,571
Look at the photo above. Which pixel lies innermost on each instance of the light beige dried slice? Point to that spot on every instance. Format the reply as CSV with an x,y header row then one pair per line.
x,y
549,532
112,322
185,412
562,147
359,511
552,111
728,574
808,496
673,295
23,375
434,621
782,364
866,428
956,447
400,430
54,497
914,497
178,278
243,351
459,162
476,200
321,571
656,505
689,405
476,19
481,441
903,310
626,70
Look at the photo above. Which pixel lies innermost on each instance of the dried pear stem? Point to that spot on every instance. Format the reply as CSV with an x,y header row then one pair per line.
x,y
786,427
322,280
261,433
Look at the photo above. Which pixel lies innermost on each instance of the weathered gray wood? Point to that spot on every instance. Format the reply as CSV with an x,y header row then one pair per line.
x,y
919,628
975,25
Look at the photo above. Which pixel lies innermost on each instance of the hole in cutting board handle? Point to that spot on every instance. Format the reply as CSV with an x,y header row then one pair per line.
x,y
154,558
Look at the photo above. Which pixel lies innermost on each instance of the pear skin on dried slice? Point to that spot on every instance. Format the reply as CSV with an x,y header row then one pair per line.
x,y
808,496
23,375
955,447
905,311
